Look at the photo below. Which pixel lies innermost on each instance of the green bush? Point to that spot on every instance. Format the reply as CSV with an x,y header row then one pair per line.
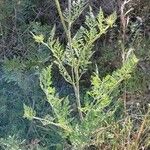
x,y
99,109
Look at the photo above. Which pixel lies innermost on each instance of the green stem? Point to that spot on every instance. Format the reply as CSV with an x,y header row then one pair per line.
x,y
77,93
64,127
61,16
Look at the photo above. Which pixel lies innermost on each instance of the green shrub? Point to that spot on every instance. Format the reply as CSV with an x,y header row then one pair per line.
x,y
72,61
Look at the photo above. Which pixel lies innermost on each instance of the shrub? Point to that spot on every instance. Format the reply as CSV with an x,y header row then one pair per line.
x,y
72,61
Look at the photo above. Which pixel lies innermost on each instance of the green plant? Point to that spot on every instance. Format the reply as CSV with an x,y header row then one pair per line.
x,y
11,143
94,112
14,143
75,57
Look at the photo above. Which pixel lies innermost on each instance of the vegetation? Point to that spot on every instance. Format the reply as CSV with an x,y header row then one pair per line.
x,y
74,75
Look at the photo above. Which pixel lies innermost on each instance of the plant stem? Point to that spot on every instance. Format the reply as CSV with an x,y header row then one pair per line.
x,y
61,16
141,130
77,93
75,72
64,127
